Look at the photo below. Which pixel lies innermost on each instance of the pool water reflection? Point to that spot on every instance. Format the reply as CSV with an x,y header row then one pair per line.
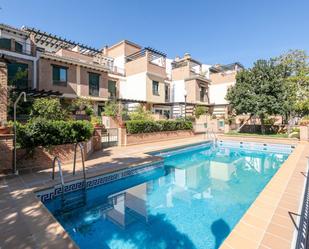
x,y
193,202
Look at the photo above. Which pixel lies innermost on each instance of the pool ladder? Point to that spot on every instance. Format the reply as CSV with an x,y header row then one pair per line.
x,y
211,135
77,200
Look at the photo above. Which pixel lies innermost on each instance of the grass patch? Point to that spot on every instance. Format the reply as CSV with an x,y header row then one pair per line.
x,y
235,133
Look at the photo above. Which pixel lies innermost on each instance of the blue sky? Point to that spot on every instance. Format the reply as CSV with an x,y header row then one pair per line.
x,y
211,31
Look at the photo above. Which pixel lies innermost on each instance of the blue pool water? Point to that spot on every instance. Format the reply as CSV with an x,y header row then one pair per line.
x,y
194,201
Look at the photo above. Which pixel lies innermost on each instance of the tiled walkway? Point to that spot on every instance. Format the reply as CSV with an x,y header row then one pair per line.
x,y
26,223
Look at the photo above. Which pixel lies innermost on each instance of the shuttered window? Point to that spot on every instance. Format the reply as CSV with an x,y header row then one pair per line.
x,y
94,84
112,89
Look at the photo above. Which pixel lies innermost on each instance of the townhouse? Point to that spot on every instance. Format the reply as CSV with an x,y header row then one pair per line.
x,y
222,77
47,64
190,85
146,80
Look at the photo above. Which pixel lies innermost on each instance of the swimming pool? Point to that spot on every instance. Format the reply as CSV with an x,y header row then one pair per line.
x,y
192,201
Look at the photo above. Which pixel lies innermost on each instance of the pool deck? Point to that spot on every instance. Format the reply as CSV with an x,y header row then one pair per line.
x,y
26,223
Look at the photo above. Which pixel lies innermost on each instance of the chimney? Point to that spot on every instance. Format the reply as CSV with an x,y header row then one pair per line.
x,y
76,49
104,50
187,56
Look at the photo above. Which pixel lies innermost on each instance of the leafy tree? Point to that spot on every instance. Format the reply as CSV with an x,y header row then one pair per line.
x,y
297,69
48,108
82,104
200,110
111,109
260,91
140,114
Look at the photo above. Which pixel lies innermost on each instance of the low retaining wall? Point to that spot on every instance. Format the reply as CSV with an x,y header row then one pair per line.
x,y
132,139
41,158
6,153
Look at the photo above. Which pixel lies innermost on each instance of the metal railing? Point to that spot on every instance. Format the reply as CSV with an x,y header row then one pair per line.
x,y
211,135
83,161
56,159
302,241
67,203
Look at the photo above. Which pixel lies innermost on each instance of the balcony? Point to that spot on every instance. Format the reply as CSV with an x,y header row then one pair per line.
x,y
146,60
17,47
94,92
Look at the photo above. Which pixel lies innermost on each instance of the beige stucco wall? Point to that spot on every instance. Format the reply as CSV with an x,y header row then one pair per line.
x,y
155,98
155,69
73,54
136,66
84,82
45,77
181,73
122,49
78,79
217,78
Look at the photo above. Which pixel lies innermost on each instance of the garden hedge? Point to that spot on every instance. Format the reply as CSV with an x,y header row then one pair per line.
x,y
146,126
43,132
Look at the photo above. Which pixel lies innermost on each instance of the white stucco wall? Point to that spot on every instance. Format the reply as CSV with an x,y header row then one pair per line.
x,y
169,67
134,87
217,93
178,91
119,61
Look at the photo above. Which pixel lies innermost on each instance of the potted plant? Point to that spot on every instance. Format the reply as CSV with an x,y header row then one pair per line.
x,y
5,128
96,122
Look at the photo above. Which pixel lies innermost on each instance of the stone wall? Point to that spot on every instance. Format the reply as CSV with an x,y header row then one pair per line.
x,y
3,92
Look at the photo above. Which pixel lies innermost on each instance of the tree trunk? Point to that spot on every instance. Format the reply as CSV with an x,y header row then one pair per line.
x,y
251,115
262,124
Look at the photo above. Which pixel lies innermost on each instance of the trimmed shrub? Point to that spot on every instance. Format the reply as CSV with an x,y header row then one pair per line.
x,y
147,126
42,132
49,108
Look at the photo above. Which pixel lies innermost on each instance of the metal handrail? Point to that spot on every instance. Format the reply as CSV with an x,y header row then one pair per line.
x,y
211,134
61,175
83,161
60,169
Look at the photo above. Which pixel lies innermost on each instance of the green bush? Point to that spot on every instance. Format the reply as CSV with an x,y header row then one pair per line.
x,y
200,110
43,132
49,108
147,126
140,114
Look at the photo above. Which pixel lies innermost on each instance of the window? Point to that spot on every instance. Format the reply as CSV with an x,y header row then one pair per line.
x,y
18,75
112,89
60,75
94,84
167,93
5,43
155,87
18,47
202,94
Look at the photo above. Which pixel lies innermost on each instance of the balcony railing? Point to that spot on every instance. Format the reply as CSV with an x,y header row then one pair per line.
x,y
117,70
94,92
20,47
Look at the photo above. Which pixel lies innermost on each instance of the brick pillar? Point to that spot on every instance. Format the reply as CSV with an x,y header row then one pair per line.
x,y
97,139
122,136
3,92
6,153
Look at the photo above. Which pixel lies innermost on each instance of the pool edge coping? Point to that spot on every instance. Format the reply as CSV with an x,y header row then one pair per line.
x,y
238,237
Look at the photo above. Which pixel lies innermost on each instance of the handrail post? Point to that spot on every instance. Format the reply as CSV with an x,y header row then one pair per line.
x,y
15,172
60,170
